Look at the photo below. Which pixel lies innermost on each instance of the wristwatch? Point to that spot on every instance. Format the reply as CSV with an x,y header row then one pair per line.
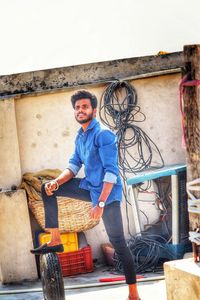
x,y
101,204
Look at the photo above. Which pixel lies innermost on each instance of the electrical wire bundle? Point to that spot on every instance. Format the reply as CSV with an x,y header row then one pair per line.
x,y
162,202
136,150
119,111
148,253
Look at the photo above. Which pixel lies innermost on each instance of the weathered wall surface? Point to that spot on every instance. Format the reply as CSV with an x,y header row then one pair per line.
x,y
9,148
46,126
46,130
17,263
158,98
43,136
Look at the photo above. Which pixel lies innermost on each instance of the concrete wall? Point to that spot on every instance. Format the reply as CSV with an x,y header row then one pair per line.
x,y
17,263
158,98
10,173
45,131
46,125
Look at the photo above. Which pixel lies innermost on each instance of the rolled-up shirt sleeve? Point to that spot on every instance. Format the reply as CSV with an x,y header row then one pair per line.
x,y
108,152
110,177
74,163
74,168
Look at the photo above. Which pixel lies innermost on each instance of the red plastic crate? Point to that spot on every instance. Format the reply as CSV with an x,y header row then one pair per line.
x,y
76,262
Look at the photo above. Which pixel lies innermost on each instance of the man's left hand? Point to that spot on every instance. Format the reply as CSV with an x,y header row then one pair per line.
x,y
96,212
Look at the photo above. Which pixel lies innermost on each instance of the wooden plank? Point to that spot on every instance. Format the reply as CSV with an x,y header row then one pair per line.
x,y
182,278
86,74
192,122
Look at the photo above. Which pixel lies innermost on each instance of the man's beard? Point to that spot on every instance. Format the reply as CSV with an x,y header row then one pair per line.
x,y
89,118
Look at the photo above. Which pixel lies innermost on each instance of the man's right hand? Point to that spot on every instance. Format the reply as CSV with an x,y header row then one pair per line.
x,y
50,187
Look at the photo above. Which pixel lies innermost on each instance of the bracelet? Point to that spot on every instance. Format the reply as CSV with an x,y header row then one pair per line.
x,y
57,185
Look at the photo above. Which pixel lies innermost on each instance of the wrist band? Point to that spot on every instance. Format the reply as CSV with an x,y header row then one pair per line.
x,y
57,185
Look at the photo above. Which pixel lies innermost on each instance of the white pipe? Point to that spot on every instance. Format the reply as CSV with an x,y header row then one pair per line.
x,y
175,212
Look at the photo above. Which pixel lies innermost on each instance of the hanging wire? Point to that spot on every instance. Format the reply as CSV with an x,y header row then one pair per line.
x,y
136,150
119,111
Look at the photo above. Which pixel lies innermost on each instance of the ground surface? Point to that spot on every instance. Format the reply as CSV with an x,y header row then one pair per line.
x,y
87,286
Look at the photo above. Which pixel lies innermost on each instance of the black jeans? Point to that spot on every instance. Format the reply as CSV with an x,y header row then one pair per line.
x,y
112,220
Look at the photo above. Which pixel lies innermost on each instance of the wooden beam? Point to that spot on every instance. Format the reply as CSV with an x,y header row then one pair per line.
x,y
86,74
192,122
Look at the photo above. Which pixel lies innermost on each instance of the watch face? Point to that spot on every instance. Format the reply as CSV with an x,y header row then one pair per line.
x,y
101,203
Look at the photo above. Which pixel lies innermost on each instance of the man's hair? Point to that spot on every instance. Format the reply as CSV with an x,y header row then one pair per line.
x,y
84,95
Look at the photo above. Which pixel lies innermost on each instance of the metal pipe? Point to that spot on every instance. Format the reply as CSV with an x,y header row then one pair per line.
x,y
175,212
81,286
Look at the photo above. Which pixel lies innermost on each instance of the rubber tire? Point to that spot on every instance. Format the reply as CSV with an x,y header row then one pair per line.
x,y
51,276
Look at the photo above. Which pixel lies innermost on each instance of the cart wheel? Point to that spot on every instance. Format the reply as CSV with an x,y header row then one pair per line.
x,y
51,276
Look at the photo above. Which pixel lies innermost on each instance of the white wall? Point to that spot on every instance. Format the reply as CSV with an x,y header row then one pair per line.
x,y
45,34
46,127
10,170
43,134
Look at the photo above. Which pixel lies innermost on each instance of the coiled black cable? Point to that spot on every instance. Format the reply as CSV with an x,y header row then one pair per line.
x,y
116,109
136,150
149,252
119,111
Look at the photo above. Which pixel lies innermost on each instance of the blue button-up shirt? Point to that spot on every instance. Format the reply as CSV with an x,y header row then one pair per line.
x,y
96,149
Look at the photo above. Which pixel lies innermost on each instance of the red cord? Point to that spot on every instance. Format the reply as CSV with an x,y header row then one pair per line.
x,y
111,279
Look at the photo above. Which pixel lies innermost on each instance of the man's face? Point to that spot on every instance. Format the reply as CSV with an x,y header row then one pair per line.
x,y
84,112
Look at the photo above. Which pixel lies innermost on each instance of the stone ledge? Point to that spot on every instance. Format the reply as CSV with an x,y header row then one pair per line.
x,y
182,279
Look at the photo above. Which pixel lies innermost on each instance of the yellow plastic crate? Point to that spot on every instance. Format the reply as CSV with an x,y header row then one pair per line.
x,y
69,240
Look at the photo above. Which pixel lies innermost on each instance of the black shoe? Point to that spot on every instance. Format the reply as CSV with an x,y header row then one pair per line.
x,y
47,249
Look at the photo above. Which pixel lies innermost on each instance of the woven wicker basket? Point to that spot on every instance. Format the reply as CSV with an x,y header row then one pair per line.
x,y
73,214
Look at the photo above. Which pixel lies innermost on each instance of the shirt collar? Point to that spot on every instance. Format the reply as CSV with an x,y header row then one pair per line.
x,y
92,124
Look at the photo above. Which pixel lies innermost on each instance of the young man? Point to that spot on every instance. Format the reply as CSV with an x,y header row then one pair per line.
x,y
96,149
